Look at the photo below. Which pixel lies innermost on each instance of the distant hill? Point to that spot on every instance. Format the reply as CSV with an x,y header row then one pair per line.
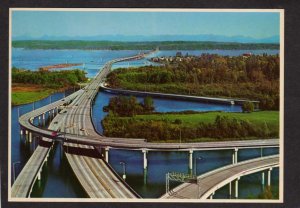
x,y
163,45
143,38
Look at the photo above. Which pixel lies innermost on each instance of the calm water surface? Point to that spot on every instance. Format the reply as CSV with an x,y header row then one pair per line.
x,y
161,105
93,60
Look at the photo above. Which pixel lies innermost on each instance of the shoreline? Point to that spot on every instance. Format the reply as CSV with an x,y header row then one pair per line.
x,y
86,49
39,90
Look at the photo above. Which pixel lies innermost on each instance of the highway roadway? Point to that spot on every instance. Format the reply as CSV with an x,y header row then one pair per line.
x,y
92,172
31,172
209,182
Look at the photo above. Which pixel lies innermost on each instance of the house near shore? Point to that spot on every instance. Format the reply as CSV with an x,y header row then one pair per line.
x,y
246,55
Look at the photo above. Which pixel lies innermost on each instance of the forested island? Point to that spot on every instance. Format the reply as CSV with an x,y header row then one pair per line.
x,y
29,86
149,45
254,77
128,118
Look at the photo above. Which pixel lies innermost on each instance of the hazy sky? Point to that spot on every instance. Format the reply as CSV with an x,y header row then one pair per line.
x,y
75,23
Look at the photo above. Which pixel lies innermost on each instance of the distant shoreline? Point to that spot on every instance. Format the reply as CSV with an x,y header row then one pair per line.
x,y
74,49
163,45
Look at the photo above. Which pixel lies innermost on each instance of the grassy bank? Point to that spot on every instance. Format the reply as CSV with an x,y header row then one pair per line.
x,y
192,120
28,93
20,98
194,127
29,86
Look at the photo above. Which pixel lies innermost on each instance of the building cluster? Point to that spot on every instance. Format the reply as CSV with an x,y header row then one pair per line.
x,y
183,58
178,58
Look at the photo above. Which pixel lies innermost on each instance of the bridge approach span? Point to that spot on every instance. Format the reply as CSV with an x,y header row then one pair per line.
x,y
208,183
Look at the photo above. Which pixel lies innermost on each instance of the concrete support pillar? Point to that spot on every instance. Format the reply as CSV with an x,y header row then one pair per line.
x,y
145,158
39,120
39,175
46,158
237,188
21,132
235,156
43,119
230,190
26,132
191,159
30,137
211,196
269,177
263,178
53,113
106,149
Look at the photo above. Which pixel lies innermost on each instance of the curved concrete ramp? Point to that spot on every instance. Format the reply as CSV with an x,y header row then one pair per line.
x,y
214,180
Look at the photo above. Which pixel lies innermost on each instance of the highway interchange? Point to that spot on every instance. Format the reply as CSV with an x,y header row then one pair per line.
x,y
76,131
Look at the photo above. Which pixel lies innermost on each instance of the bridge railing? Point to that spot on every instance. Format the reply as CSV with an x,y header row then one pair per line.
x,y
236,164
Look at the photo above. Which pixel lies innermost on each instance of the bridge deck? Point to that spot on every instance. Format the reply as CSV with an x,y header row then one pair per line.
x,y
93,173
25,180
228,101
95,177
86,168
23,184
212,181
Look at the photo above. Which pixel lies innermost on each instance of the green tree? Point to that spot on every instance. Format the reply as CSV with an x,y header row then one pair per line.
x,y
248,107
148,103
267,194
178,121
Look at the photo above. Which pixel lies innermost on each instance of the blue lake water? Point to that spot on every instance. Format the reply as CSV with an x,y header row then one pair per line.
x,y
160,104
57,172
152,184
93,60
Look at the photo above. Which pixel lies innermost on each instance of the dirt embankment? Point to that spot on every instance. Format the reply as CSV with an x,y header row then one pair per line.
x,y
58,66
20,87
